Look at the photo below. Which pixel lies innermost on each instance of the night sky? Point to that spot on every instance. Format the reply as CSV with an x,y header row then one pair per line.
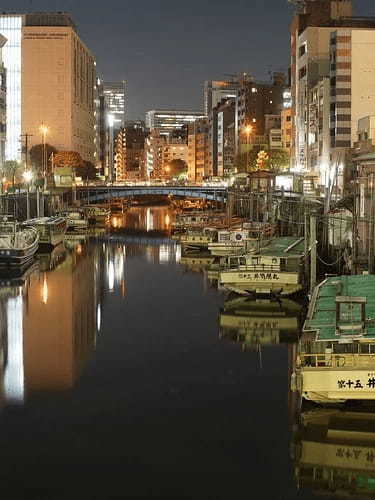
x,y
165,49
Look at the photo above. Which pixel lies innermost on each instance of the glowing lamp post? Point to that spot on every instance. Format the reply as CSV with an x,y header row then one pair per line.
x,y
28,177
44,131
248,131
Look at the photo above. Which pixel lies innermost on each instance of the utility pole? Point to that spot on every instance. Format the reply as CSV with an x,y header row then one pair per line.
x,y
313,252
26,150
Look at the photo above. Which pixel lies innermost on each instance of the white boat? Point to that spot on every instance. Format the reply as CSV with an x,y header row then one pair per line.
x,y
51,229
18,244
276,269
97,214
76,220
239,241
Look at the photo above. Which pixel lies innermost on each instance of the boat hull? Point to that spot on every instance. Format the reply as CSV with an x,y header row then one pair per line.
x,y
334,386
262,282
15,258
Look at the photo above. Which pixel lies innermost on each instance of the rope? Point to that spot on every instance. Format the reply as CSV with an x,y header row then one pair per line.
x,y
327,263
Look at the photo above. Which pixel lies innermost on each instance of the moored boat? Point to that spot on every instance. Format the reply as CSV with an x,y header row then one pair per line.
x,y
197,240
97,214
18,244
51,229
76,219
242,240
276,269
336,353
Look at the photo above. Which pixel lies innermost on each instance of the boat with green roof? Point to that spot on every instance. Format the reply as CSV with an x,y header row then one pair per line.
x,y
336,353
276,269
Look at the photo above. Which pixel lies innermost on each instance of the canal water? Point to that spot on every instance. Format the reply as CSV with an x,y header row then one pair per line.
x,y
117,382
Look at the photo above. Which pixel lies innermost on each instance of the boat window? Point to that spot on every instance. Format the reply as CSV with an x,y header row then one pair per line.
x,y
255,261
243,261
224,237
233,262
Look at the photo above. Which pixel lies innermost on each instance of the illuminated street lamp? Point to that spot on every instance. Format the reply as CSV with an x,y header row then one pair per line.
x,y
248,131
28,177
44,131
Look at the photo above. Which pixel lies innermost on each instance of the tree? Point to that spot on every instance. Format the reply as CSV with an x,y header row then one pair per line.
x,y
87,171
12,172
176,168
68,159
246,162
36,156
279,160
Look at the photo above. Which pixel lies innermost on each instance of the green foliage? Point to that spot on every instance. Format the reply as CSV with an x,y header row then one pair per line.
x,y
12,171
36,156
87,171
279,160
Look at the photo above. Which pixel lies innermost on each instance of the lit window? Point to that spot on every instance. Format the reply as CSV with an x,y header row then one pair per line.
x,y
254,90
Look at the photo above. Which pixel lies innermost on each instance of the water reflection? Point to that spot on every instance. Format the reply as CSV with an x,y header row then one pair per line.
x,y
49,322
334,452
254,323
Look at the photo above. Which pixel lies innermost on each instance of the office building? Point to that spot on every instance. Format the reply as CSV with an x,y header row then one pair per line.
x,y
50,80
166,121
161,150
332,73
217,90
199,165
114,98
3,41
130,152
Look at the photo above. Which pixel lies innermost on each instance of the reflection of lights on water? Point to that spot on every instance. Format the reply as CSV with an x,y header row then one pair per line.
x,y
165,254
45,289
99,317
149,220
167,220
14,372
111,276
79,249
178,254
119,266
116,222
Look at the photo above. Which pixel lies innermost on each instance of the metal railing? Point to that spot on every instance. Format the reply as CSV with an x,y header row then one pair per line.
x,y
355,360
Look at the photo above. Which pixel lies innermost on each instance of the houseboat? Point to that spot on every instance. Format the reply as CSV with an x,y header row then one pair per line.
x,y
76,220
97,214
336,353
334,452
244,240
193,220
198,240
255,323
18,244
277,269
51,229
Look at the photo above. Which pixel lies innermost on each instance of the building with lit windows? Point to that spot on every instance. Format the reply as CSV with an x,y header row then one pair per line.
x,y
114,98
199,151
3,116
217,90
51,81
166,121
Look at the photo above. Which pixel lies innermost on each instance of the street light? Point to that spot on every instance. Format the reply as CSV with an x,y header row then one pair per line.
x,y
28,176
44,131
248,131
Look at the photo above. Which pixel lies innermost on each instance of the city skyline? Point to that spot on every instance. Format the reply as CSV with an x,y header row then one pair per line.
x,y
136,44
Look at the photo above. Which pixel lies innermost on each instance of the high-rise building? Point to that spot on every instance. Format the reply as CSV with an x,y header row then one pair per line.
x,y
198,150
115,98
166,121
50,80
217,90
130,152
3,116
332,70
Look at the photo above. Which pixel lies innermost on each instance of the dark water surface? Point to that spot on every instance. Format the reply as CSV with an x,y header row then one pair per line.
x,y
116,384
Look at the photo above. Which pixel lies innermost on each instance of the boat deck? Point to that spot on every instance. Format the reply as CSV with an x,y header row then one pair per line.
x,y
322,313
284,247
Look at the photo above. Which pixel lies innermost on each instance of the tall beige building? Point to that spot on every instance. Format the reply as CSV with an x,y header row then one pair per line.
x,y
51,81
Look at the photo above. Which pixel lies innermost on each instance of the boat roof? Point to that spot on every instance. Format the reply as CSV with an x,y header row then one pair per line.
x,y
284,247
44,221
322,312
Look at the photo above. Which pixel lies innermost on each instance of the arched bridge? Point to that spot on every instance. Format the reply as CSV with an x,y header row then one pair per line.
x,y
94,194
